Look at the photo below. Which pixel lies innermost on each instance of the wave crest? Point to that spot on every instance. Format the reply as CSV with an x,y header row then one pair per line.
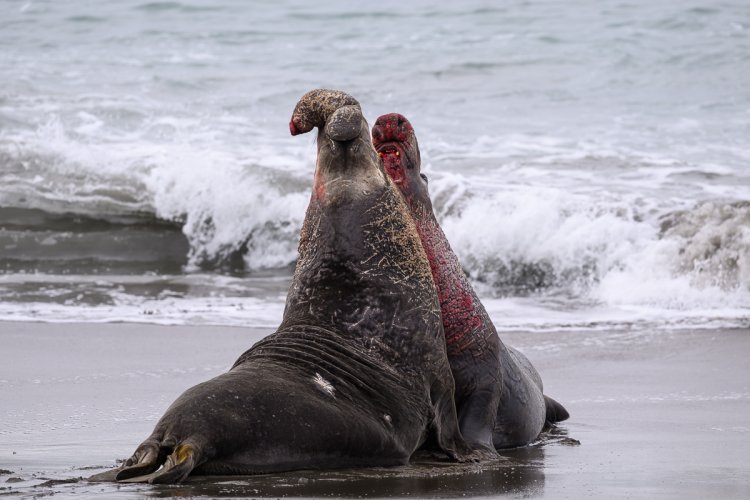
x,y
540,241
714,242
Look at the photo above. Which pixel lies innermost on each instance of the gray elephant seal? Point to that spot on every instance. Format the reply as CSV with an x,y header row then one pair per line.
x,y
499,394
357,373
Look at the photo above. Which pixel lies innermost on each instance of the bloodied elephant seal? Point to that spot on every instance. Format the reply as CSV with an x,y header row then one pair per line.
x,y
499,395
357,373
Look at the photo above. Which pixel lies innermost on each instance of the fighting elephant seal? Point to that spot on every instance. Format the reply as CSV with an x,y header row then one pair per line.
x,y
499,395
357,372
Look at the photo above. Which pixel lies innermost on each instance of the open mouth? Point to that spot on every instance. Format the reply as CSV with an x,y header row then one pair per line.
x,y
389,151
391,154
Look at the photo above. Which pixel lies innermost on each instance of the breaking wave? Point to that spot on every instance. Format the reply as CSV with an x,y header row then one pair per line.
x,y
75,207
234,214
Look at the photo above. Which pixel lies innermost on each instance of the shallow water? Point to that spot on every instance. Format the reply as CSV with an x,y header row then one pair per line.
x,y
588,162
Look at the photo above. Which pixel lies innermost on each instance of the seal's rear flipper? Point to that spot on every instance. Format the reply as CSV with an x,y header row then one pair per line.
x,y
555,412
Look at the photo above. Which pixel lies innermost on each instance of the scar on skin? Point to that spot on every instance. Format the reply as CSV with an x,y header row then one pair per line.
x,y
324,384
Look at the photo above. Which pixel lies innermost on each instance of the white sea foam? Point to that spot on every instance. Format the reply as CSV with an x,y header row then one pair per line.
x,y
225,199
603,250
248,312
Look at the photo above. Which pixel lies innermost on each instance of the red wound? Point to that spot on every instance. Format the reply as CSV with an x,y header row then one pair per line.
x,y
462,312
320,191
393,167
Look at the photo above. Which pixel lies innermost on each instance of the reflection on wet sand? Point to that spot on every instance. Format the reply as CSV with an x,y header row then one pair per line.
x,y
425,477
518,471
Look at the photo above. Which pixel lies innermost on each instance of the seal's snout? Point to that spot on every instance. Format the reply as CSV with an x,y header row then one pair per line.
x,y
318,107
392,137
392,127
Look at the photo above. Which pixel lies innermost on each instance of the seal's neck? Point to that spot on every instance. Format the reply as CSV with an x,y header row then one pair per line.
x,y
462,311
362,270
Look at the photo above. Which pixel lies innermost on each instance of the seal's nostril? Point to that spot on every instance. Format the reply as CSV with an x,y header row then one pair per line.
x,y
391,127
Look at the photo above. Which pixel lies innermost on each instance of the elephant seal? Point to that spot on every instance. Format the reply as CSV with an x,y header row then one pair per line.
x,y
357,373
499,395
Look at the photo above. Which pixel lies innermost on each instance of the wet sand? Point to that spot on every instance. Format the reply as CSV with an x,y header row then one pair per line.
x,y
662,414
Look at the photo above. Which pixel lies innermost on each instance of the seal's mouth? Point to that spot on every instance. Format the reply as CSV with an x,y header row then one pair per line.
x,y
390,149
391,155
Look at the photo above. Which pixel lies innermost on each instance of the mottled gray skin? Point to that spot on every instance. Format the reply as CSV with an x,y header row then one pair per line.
x,y
356,374
499,395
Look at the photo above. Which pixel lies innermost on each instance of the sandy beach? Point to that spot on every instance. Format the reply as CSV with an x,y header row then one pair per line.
x,y
663,414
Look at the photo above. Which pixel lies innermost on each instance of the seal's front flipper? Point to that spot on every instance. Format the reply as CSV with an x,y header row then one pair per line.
x,y
148,457
155,461
478,412
445,426
177,467
555,412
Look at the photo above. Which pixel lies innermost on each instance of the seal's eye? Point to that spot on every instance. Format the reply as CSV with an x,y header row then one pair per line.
x,y
424,178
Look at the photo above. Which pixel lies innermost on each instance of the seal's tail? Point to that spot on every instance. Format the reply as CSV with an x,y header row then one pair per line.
x,y
555,412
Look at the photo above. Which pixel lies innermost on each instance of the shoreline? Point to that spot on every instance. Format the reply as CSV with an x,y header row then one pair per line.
x,y
657,413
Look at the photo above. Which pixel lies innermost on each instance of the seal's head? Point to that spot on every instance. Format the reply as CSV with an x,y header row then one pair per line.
x,y
345,152
396,144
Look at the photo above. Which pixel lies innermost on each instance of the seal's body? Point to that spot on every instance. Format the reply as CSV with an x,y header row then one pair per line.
x,y
357,372
499,395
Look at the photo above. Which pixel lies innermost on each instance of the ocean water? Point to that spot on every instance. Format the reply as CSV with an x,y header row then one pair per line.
x,y
588,162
